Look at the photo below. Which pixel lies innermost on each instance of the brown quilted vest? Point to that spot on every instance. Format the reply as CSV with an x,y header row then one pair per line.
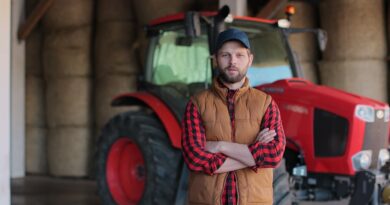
x,y
250,105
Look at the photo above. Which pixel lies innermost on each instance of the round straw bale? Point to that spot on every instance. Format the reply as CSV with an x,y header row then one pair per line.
x,y
355,29
68,14
35,101
115,10
304,45
36,146
309,70
34,53
67,53
363,77
115,48
148,10
69,151
68,101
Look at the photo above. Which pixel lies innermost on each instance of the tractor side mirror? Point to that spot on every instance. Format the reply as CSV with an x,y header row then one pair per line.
x,y
322,39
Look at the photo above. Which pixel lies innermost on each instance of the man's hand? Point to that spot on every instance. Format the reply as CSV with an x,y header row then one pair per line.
x,y
213,146
266,135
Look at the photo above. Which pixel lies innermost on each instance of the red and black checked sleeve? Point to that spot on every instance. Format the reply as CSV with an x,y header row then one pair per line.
x,y
268,155
193,143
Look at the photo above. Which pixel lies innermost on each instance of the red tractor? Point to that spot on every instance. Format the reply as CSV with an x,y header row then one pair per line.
x,y
336,141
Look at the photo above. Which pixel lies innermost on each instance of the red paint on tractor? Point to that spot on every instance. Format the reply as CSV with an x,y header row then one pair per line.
x,y
166,116
180,17
125,172
297,99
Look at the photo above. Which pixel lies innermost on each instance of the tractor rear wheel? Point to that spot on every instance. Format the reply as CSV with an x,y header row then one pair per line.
x,y
136,163
281,185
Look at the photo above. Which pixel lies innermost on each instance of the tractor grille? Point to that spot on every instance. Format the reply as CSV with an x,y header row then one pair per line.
x,y
376,137
330,134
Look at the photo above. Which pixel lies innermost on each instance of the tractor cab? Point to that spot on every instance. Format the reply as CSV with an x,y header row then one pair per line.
x,y
181,60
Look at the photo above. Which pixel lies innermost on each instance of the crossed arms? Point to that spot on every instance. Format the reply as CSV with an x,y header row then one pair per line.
x,y
219,157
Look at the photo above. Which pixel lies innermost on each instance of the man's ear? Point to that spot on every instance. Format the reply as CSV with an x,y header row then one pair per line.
x,y
250,59
214,60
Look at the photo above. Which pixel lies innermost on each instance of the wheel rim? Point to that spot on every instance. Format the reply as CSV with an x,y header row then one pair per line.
x,y
125,172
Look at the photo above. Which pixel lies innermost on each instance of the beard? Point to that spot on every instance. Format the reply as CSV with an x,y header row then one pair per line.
x,y
223,74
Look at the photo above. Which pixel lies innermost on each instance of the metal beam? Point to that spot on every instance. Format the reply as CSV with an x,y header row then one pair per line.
x,y
32,20
270,10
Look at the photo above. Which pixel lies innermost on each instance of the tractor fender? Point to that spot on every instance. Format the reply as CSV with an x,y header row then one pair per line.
x,y
166,116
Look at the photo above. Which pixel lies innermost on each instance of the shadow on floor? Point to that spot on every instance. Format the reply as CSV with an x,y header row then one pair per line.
x,y
40,190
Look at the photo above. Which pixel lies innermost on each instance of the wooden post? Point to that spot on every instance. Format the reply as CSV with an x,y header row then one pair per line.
x,y
5,96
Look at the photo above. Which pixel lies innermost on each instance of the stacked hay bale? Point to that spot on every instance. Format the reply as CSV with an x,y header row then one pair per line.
x,y
355,56
304,45
116,67
67,70
36,158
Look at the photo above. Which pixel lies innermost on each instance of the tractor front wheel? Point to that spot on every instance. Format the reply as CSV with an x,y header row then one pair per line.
x,y
136,163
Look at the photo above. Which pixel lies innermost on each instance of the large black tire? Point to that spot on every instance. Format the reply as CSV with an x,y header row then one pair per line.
x,y
161,160
281,185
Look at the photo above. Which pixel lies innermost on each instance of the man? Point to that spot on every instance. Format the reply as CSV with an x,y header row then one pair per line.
x,y
232,133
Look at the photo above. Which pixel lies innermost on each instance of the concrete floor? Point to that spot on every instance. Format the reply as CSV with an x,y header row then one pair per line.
x,y
39,190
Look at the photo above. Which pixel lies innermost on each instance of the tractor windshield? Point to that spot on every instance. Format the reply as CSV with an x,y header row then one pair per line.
x,y
177,59
271,61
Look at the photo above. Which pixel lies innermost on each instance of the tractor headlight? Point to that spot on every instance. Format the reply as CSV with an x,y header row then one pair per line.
x,y
383,157
362,160
387,113
365,113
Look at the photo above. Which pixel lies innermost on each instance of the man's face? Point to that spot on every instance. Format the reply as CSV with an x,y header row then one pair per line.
x,y
233,61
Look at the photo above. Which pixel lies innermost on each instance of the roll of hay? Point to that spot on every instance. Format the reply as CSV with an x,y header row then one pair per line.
x,y
309,70
115,49
355,29
34,53
114,10
68,102
35,101
106,89
68,151
304,45
36,156
363,77
67,53
68,14
148,10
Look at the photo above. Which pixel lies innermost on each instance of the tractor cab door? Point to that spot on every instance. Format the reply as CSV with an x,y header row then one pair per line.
x,y
177,66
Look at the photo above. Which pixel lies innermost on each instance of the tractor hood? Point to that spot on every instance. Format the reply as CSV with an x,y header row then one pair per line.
x,y
330,125
306,92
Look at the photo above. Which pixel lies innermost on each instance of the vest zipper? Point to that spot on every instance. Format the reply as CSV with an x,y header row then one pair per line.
x,y
223,187
233,118
238,194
